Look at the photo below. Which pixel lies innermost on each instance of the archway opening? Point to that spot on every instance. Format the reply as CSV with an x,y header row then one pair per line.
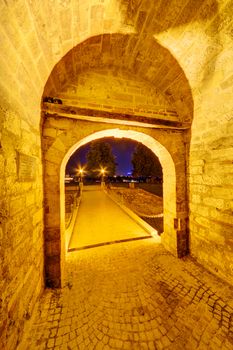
x,y
169,181
130,174
113,79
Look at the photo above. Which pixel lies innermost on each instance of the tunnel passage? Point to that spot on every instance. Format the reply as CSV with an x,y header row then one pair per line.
x,y
59,151
107,81
198,34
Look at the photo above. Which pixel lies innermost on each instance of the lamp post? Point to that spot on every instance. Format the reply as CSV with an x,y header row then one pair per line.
x,y
81,172
102,171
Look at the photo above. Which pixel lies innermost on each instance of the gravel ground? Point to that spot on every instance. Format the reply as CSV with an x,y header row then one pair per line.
x,y
141,202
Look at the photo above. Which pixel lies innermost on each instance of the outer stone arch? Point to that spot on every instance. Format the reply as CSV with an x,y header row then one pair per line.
x,y
74,134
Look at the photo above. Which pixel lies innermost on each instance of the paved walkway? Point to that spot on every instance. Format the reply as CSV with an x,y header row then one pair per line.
x,y
133,295
101,221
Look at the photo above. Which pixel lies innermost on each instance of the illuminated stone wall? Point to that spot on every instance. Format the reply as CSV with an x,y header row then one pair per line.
x,y
61,134
207,63
211,154
129,58
117,91
21,220
192,66
21,192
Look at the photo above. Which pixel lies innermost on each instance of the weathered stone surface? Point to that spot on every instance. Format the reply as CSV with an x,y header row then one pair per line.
x,y
175,203
152,302
183,52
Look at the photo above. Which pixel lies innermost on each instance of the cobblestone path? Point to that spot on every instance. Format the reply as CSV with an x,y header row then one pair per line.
x,y
133,295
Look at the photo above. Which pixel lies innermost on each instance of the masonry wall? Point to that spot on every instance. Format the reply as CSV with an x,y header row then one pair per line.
x,y
21,225
211,158
198,36
60,135
117,91
203,48
21,196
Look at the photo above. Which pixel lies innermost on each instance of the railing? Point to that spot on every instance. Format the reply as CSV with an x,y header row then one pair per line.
x,y
156,221
72,198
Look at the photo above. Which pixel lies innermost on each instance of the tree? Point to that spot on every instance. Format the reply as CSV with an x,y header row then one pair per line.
x,y
145,162
100,156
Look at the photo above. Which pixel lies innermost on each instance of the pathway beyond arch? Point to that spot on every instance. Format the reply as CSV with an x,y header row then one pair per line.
x,y
101,221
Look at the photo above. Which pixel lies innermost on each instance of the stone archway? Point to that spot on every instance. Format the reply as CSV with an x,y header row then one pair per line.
x,y
100,85
71,134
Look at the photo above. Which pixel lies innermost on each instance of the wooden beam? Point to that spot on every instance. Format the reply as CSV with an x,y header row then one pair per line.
x,y
75,112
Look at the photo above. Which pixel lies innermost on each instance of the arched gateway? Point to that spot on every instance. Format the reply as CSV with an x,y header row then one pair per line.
x,y
65,136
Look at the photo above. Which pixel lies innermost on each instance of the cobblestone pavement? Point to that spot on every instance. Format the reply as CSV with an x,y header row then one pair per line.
x,y
133,295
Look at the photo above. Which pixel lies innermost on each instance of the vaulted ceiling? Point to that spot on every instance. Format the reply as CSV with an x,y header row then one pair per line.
x,y
164,46
140,57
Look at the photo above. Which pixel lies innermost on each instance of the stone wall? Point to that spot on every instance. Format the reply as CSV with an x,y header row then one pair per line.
x,y
117,91
21,224
60,135
124,59
21,192
211,158
190,55
207,63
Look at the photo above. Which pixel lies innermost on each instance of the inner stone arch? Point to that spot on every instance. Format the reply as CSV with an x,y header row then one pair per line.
x,y
77,133
169,184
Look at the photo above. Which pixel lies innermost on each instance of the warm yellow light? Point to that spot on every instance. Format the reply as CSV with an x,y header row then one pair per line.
x,y
103,171
81,171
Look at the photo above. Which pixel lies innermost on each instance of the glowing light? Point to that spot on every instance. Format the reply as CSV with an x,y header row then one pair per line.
x,y
103,171
81,172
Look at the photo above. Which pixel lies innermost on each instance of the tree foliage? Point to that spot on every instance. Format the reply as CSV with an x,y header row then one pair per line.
x,y
100,155
145,162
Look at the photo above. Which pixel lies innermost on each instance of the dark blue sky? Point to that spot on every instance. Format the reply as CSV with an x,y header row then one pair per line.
x,y
121,148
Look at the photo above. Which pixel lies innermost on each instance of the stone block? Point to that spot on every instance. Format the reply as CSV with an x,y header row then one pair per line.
x,y
16,205
52,248
52,234
2,166
58,144
221,216
50,132
225,153
53,272
12,123
30,199
214,202
222,192
196,198
37,217
59,123
52,218
196,170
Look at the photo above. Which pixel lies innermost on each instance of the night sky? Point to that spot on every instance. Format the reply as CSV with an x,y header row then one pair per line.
x,y
121,148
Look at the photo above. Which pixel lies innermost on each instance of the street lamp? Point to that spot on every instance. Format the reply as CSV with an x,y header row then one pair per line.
x,y
81,171
102,172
